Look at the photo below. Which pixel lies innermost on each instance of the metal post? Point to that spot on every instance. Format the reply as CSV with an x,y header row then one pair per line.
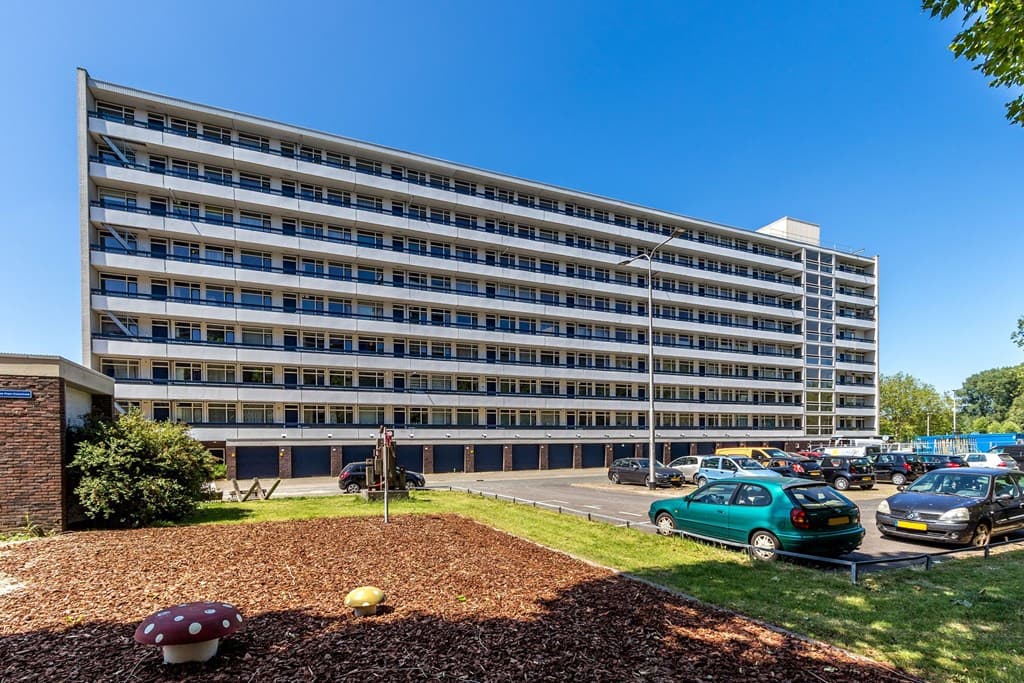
x,y
384,466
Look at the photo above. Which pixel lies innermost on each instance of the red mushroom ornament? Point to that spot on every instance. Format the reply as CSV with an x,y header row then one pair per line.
x,y
189,632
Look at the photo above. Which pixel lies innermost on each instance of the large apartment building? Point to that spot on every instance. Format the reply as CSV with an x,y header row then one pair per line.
x,y
286,291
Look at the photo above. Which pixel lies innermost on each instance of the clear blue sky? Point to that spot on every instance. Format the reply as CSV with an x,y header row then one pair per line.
x,y
855,117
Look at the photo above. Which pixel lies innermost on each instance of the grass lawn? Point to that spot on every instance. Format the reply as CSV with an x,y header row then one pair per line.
x,y
962,621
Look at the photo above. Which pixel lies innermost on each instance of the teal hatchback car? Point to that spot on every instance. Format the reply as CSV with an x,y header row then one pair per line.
x,y
795,515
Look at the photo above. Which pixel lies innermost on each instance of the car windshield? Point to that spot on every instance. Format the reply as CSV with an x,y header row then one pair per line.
x,y
952,483
747,464
817,497
775,453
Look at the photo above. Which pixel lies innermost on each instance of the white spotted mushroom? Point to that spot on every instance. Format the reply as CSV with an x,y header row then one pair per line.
x,y
189,632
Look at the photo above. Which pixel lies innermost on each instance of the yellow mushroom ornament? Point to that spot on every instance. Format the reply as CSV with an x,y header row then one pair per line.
x,y
364,600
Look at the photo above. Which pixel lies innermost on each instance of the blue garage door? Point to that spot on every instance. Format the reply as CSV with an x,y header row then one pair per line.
x,y
488,457
705,449
256,461
559,455
525,456
679,449
311,461
449,458
593,455
622,450
356,454
410,457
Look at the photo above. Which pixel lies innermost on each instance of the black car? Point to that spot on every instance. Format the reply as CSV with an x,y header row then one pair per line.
x,y
844,472
353,478
937,462
963,505
798,467
899,468
637,471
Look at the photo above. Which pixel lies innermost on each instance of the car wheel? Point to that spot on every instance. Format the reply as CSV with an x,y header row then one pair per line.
x,y
647,481
701,481
867,487
982,535
899,479
841,483
677,484
352,488
666,525
614,476
763,545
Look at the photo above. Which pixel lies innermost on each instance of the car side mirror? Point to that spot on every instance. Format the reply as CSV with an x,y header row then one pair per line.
x,y
901,487
635,466
1005,496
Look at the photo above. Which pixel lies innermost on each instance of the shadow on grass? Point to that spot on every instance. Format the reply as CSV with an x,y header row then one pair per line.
x,y
218,512
608,629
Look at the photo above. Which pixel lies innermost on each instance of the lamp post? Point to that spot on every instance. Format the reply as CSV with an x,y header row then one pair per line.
x,y
649,255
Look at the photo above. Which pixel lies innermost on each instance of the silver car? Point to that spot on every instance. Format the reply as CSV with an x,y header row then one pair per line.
x,y
725,467
687,466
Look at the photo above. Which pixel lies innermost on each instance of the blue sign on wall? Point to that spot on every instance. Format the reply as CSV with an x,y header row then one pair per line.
x,y
15,393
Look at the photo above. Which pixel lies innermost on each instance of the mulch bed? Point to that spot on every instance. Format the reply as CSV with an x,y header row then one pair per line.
x,y
464,602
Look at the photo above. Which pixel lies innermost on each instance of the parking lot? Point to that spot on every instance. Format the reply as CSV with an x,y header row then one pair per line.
x,y
590,491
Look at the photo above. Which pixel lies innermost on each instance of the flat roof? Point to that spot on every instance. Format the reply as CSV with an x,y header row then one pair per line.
x,y
75,374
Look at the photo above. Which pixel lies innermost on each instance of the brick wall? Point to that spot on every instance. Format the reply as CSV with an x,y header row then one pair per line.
x,y
32,454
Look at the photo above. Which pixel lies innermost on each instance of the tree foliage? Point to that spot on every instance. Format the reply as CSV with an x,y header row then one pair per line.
x,y
909,406
993,38
1017,336
134,472
991,393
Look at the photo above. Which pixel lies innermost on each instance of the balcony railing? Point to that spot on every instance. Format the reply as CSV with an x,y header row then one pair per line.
x,y
496,360
320,274
664,230
445,324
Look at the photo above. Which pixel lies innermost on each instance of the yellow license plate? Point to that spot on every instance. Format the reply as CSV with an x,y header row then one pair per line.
x,y
836,521
919,526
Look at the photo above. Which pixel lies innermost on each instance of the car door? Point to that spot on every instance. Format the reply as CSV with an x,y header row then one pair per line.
x,y
706,512
1007,503
883,467
728,469
749,510
709,469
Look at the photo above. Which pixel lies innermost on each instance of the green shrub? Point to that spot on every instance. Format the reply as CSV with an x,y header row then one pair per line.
x,y
135,472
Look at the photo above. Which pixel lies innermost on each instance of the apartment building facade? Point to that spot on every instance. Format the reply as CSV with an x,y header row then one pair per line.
x,y
286,291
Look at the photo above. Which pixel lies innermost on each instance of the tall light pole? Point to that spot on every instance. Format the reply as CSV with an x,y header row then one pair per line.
x,y
649,255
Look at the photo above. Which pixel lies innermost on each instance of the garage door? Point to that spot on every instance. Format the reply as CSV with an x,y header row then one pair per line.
x,y
525,456
559,455
680,448
256,461
410,457
356,454
311,461
705,449
593,455
488,457
622,450
449,458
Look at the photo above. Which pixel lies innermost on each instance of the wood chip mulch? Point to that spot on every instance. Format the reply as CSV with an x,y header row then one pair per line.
x,y
464,603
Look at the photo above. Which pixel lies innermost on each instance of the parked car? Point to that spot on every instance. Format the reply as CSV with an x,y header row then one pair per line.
x,y
966,505
637,471
760,453
715,467
1015,451
769,514
990,459
796,466
687,466
843,472
898,468
353,478
938,461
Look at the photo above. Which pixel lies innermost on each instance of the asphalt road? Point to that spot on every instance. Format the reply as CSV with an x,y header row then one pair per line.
x,y
589,491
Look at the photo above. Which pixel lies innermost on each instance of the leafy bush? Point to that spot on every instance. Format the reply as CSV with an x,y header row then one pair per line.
x,y
134,472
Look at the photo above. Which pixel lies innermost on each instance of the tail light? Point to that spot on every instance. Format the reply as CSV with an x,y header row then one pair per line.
x,y
345,475
1002,463
906,467
798,516
797,468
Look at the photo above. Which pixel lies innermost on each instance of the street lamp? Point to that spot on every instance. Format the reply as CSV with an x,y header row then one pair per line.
x,y
649,255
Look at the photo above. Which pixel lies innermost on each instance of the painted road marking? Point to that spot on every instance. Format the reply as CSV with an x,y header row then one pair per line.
x,y
563,502
631,514
593,507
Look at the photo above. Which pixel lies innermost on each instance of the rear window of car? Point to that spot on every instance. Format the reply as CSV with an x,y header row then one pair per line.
x,y
748,463
816,496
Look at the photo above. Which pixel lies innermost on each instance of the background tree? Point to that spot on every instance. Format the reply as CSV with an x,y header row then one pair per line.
x,y
908,405
993,38
990,393
1018,335
134,472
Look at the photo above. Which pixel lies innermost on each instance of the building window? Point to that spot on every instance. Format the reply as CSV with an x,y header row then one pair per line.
x,y
257,413
119,368
221,413
188,412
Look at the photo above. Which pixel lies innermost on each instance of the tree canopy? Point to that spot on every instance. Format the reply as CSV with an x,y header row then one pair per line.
x,y
991,393
993,38
908,407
